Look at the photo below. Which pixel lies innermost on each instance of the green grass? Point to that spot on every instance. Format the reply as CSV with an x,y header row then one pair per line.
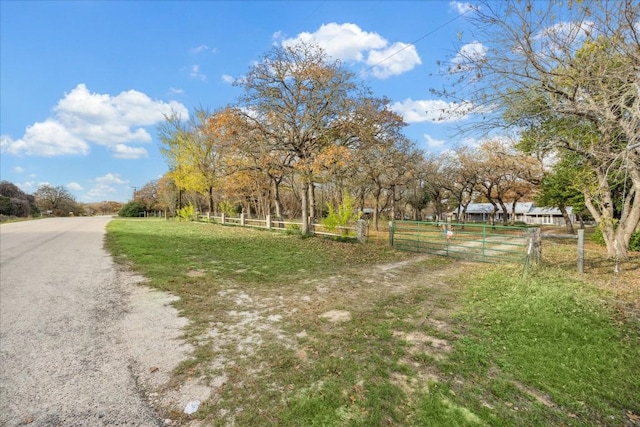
x,y
429,343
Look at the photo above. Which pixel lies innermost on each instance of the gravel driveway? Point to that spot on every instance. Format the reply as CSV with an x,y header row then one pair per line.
x,y
66,347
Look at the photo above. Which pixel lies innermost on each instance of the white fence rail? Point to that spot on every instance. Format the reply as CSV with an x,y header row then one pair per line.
x,y
359,231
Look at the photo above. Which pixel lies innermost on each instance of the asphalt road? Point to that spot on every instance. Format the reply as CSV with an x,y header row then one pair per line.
x,y
62,359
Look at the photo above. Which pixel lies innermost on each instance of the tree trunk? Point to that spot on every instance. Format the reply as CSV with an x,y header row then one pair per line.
x,y
304,193
276,196
312,201
505,213
210,200
567,219
376,209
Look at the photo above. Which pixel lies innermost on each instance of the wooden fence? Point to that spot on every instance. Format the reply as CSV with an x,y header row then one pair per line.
x,y
359,231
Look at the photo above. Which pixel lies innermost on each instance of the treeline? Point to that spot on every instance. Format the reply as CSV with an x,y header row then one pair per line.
x,y
305,134
48,200
15,202
305,131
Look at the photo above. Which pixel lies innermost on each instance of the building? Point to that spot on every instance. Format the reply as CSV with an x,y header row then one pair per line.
x,y
525,212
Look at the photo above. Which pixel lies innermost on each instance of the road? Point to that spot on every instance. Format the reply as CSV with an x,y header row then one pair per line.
x,y
63,361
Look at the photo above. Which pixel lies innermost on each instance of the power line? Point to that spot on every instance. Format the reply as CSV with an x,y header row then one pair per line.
x,y
413,43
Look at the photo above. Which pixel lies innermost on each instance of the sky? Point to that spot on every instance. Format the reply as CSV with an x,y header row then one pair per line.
x,y
85,84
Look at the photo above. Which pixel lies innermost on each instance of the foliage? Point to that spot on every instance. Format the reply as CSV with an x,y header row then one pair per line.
x,y
296,99
292,230
344,216
187,213
57,200
15,202
634,242
571,87
228,208
132,209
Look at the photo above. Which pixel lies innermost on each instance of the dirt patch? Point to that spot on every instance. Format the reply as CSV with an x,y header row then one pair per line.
x,y
423,343
336,316
248,321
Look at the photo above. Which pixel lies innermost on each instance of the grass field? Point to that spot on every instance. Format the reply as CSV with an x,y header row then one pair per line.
x,y
313,332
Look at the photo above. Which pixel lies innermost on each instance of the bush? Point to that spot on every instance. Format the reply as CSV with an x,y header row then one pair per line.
x,y
597,236
343,217
292,230
188,213
131,210
634,241
228,208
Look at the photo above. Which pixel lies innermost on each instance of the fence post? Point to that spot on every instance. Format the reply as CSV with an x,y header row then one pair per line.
x,y
242,219
361,230
581,250
223,217
268,221
391,231
535,246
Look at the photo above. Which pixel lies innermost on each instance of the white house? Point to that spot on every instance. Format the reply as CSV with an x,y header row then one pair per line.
x,y
525,212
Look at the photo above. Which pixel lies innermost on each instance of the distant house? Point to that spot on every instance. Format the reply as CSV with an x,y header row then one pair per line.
x,y
525,212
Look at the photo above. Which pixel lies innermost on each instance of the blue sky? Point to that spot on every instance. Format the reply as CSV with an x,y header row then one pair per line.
x,y
84,84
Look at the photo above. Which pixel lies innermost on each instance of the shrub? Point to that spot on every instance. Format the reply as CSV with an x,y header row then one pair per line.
x,y
292,229
228,208
344,216
131,209
187,213
634,241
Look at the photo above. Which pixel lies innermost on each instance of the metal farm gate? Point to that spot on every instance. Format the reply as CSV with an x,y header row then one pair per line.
x,y
472,242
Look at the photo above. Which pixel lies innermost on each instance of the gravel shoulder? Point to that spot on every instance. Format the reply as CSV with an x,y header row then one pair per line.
x,y
81,342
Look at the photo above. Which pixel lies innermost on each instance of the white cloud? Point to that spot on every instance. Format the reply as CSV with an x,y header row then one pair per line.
x,y
48,138
74,186
349,43
394,60
28,186
564,35
462,7
105,186
202,48
101,191
18,169
436,111
122,151
468,54
110,178
176,91
432,142
227,78
83,117
196,74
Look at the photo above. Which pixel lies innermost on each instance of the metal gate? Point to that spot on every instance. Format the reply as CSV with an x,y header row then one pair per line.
x,y
472,242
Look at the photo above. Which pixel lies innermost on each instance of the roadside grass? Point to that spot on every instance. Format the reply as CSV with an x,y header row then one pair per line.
x,y
426,341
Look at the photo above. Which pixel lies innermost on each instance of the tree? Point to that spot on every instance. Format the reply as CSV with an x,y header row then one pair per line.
x,y
567,74
132,209
147,196
198,149
297,98
15,202
58,200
